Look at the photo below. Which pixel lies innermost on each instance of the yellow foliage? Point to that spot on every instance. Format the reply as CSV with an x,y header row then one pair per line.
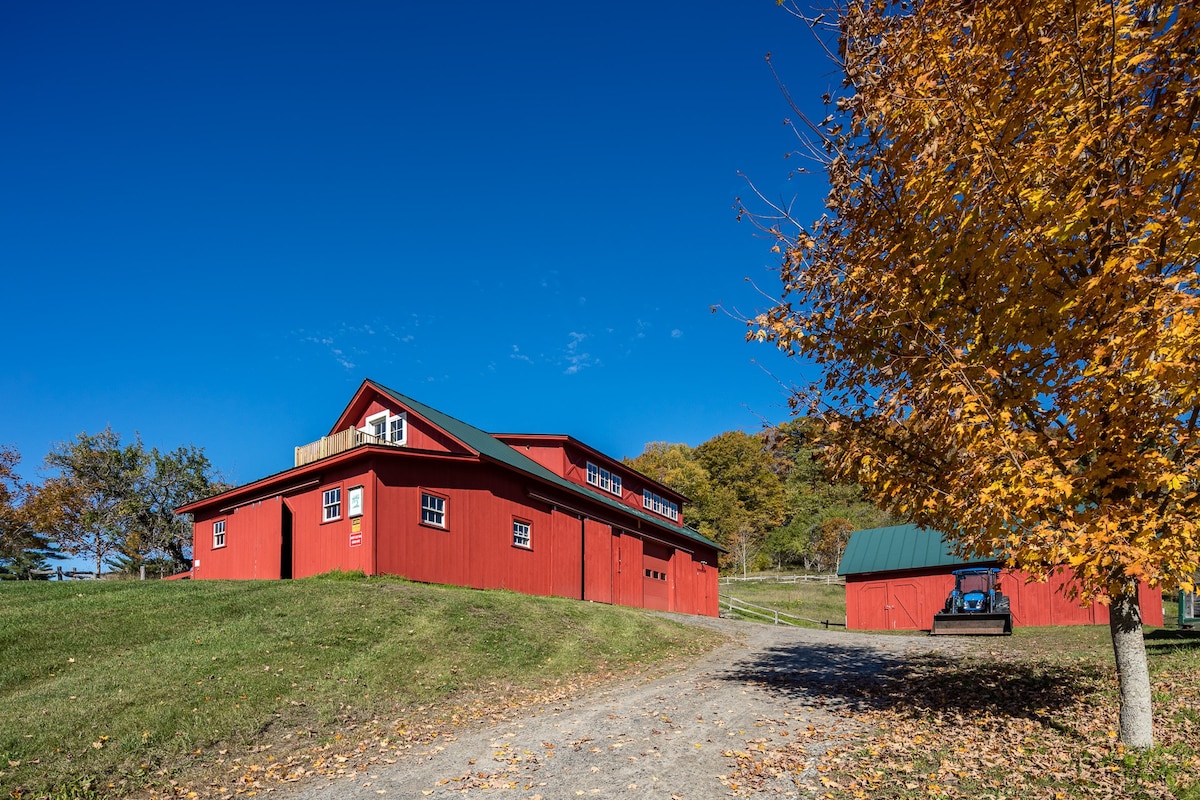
x,y
1003,297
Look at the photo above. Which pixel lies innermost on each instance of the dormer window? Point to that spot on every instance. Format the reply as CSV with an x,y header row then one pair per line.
x,y
387,428
603,479
660,505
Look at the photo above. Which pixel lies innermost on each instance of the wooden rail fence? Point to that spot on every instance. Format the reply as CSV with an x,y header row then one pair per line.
x,y
776,617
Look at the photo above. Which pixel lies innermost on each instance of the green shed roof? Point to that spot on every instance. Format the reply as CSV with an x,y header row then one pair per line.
x,y
899,547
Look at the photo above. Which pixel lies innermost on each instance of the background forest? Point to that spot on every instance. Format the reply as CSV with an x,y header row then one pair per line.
x,y
765,497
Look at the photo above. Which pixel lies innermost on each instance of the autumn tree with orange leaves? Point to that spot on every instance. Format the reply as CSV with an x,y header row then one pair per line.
x,y
1003,294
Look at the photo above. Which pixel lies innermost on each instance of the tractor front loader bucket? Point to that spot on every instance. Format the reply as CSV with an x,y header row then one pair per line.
x,y
971,625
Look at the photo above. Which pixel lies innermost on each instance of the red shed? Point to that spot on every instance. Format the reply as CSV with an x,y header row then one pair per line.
x,y
400,488
897,578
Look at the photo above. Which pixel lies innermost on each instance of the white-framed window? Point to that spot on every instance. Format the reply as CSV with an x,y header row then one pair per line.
x,y
218,534
660,505
331,504
522,533
601,478
433,510
387,427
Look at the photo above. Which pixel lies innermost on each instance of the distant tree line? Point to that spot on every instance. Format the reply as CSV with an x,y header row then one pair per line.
x,y
109,501
765,497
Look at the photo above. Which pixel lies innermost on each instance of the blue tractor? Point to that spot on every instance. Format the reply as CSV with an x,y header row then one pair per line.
x,y
976,606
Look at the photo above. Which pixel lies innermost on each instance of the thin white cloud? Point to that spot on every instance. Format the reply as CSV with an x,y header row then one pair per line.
x,y
519,356
676,333
338,354
576,357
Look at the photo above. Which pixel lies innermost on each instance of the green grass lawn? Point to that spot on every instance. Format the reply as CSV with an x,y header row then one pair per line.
x,y
108,689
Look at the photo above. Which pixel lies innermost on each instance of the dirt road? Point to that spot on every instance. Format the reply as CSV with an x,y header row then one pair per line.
x,y
679,737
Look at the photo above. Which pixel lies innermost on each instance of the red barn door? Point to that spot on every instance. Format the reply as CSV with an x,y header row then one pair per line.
x,y
656,561
886,606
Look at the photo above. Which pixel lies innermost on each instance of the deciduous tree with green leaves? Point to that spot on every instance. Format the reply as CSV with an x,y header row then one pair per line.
x,y
812,498
116,501
1003,295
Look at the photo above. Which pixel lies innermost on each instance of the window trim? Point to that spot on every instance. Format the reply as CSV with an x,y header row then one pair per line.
x,y
444,510
219,534
389,421
528,543
604,479
328,504
652,501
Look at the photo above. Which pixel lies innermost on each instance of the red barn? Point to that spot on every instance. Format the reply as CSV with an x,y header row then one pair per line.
x,y
897,578
399,488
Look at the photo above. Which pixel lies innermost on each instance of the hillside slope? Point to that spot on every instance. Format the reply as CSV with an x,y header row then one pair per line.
x,y
112,688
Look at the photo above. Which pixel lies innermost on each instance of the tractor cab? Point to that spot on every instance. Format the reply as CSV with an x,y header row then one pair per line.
x,y
975,606
974,589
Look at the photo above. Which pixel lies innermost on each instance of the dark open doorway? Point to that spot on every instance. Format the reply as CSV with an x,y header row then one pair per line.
x,y
285,546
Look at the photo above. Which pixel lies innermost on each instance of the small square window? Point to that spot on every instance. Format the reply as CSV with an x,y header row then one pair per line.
x,y
218,534
331,504
433,510
522,533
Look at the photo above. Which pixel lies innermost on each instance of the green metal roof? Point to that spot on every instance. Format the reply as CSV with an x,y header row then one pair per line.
x,y
899,547
494,449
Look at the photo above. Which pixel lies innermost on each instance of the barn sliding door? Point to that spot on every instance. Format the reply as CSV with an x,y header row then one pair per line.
x,y
656,566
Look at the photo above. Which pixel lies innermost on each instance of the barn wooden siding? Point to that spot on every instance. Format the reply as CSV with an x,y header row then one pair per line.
x,y
907,600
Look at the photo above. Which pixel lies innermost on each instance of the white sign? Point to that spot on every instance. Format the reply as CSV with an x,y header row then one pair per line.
x,y
355,501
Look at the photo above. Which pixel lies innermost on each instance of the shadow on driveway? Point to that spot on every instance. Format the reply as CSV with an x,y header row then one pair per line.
x,y
861,677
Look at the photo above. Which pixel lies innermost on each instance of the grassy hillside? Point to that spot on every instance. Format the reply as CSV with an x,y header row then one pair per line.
x,y
108,689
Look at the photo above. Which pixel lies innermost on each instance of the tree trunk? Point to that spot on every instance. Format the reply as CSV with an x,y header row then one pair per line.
x,y
1133,671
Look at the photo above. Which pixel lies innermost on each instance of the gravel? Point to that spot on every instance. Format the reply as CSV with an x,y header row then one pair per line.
x,y
679,737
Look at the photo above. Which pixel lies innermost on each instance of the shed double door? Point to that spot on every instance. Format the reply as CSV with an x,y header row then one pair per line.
x,y
890,606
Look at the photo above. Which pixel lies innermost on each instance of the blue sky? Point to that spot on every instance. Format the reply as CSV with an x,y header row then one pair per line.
x,y
217,218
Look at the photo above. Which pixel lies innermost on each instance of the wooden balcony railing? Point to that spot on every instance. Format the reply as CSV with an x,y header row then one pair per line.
x,y
339,442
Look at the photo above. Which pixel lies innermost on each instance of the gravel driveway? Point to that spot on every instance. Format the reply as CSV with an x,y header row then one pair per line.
x,y
677,737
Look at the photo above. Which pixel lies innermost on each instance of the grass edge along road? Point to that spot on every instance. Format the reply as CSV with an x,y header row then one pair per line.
x,y
109,689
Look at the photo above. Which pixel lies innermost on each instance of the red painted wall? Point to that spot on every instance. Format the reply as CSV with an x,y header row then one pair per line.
x,y
252,542
908,601
570,554
548,453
